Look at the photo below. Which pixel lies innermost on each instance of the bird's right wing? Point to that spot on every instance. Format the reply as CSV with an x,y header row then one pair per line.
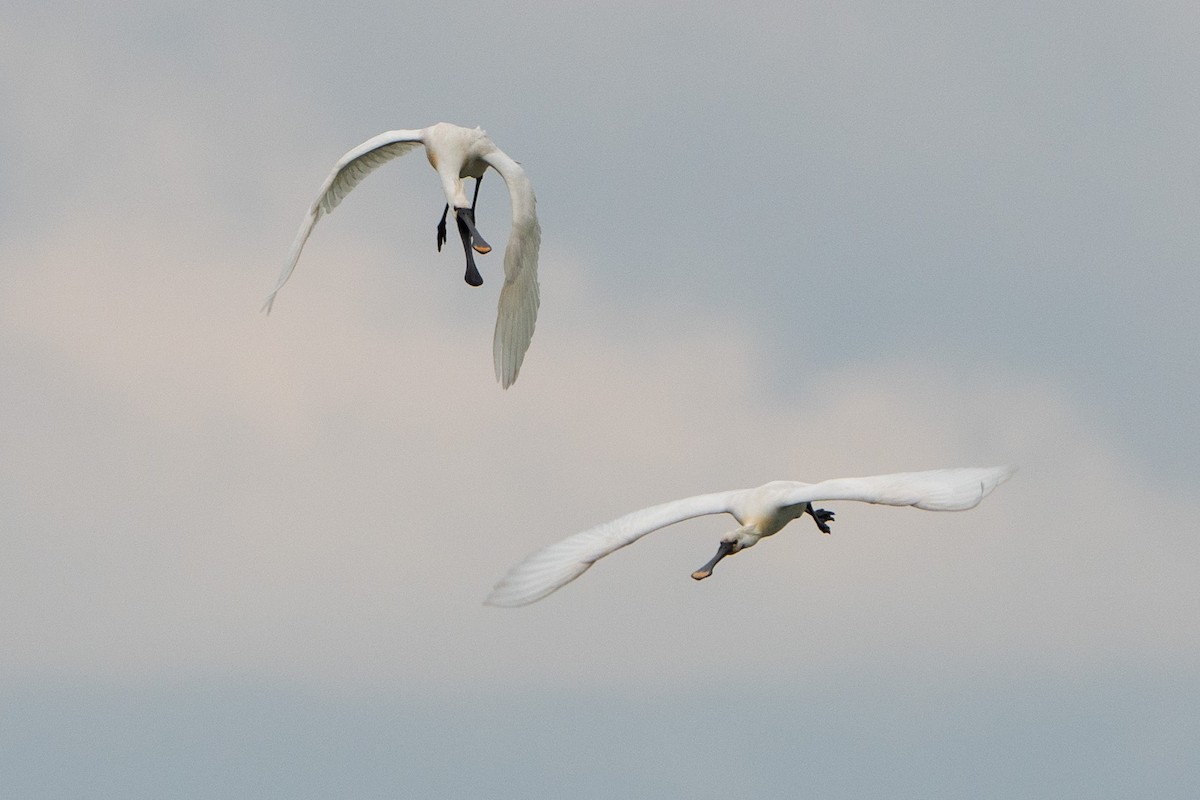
x,y
558,564
932,490
347,173
519,299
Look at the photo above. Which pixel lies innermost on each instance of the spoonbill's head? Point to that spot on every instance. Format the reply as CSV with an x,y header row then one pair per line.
x,y
735,542
762,520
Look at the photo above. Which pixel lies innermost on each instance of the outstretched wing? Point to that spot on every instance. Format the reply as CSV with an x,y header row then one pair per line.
x,y
933,490
519,300
347,173
557,565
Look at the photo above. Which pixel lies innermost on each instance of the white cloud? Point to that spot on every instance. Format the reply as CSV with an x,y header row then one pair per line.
x,y
328,493
812,242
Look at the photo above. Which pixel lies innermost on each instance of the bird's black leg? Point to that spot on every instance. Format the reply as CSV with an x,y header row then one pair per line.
x,y
475,199
723,550
467,215
441,236
821,516
472,277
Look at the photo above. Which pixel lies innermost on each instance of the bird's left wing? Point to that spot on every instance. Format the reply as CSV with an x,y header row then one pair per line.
x,y
347,173
932,490
519,299
558,564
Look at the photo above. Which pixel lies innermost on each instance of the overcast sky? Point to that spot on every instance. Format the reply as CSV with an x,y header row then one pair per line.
x,y
245,556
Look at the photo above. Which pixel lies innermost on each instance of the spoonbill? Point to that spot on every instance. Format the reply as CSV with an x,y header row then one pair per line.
x,y
761,512
455,153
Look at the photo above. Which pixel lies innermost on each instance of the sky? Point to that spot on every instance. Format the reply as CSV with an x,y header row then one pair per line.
x,y
245,556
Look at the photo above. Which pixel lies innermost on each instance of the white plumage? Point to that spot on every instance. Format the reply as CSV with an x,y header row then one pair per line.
x,y
456,153
761,512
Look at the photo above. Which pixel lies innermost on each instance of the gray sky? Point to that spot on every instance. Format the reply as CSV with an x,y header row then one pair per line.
x,y
245,556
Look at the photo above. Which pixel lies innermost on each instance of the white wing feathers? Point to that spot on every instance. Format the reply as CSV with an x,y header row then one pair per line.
x,y
347,173
933,490
555,566
517,313
558,564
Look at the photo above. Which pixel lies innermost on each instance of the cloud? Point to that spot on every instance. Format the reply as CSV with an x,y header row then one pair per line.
x,y
327,494
800,244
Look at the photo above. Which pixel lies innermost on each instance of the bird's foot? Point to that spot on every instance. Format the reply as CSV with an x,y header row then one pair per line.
x,y
822,518
441,228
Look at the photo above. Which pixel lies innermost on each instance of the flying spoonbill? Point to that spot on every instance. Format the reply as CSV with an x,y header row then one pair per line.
x,y
455,153
761,512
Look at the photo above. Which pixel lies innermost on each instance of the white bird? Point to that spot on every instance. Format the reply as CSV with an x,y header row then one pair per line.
x,y
760,512
456,153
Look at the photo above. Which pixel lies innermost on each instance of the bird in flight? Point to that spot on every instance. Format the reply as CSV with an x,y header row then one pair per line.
x,y
456,153
760,512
